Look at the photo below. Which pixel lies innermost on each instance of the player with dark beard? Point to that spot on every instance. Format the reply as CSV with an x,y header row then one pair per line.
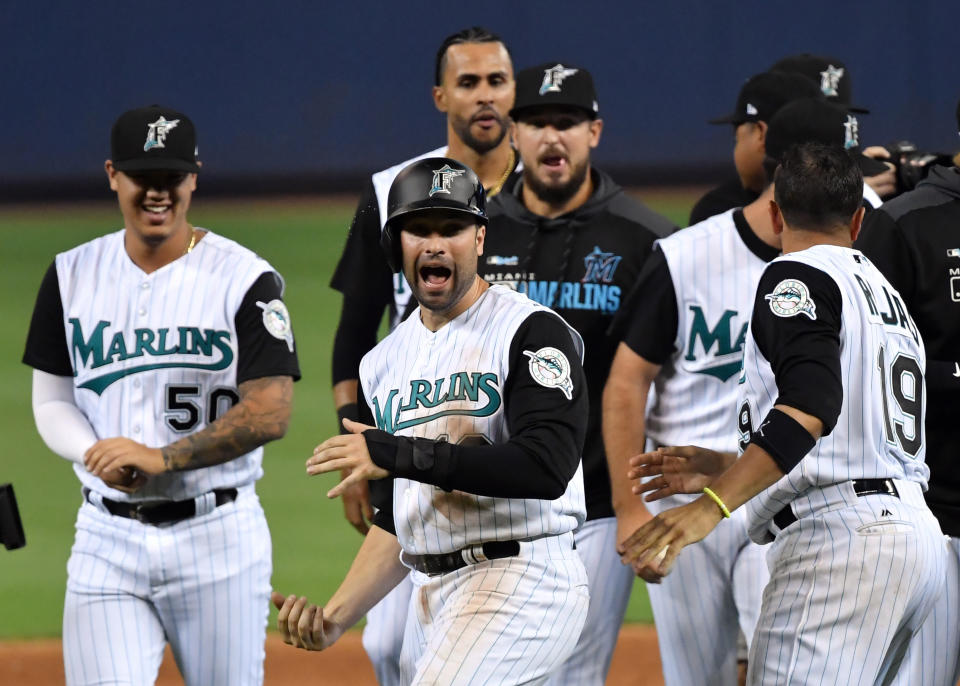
x,y
570,238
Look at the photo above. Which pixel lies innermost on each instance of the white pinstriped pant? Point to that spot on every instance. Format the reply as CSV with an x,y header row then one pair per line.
x,y
714,589
202,584
933,657
849,586
507,621
610,585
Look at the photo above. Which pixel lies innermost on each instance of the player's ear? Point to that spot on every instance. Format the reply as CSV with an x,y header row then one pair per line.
x,y
481,236
596,128
856,223
111,174
760,129
776,218
440,98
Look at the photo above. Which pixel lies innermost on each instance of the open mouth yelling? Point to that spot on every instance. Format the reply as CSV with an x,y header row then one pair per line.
x,y
554,163
435,277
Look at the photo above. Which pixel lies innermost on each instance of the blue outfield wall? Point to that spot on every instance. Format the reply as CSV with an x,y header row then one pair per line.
x,y
330,90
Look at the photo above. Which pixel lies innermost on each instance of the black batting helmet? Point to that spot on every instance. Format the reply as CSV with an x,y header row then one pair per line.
x,y
433,183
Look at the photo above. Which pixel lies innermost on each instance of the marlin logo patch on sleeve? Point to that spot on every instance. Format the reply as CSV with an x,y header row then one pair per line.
x,y
790,298
551,369
276,320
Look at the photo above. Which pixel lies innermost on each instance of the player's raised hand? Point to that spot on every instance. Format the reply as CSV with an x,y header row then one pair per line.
x,y
347,452
302,624
676,469
356,505
658,542
109,454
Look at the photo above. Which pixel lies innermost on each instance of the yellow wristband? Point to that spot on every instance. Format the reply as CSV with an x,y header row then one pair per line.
x,y
715,498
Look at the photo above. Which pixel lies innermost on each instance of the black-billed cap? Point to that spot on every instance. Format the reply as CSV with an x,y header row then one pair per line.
x,y
816,120
555,83
765,93
154,138
829,74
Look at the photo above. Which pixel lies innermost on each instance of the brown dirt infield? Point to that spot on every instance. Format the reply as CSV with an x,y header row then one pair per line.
x,y
38,663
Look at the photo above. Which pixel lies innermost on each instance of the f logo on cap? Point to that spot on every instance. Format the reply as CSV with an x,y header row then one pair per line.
x,y
442,178
553,78
157,132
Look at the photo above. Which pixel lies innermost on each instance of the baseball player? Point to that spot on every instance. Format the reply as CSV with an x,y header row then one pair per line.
x,y
758,100
683,328
480,407
832,472
913,241
163,360
569,237
473,86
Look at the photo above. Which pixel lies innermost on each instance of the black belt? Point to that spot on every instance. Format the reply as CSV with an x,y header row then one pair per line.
x,y
163,512
434,565
861,487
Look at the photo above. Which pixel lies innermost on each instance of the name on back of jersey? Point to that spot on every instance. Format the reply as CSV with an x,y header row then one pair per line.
x,y
886,307
97,355
467,394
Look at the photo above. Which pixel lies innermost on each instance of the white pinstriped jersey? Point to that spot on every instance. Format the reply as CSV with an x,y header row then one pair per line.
x,y
715,277
879,432
449,384
382,181
120,321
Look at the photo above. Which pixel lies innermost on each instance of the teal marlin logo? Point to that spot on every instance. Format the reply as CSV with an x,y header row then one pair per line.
x,y
442,178
721,337
461,388
96,351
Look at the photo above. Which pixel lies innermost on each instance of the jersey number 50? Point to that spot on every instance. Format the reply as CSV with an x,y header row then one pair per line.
x,y
183,413
906,384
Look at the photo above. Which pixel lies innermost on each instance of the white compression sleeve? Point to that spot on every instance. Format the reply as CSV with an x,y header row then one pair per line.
x,y
61,424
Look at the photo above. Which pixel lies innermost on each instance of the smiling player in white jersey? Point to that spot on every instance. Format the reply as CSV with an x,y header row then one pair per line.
x,y
831,412
480,411
163,360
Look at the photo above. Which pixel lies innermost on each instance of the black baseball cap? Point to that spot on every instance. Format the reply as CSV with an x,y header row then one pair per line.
x,y
765,93
829,74
819,121
555,83
154,138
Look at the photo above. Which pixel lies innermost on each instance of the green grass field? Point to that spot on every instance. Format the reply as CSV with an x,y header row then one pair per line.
x,y
313,545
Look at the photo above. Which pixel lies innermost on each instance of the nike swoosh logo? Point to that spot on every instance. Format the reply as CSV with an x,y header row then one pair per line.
x,y
956,366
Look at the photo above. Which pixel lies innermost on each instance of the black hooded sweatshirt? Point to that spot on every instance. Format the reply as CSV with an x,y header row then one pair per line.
x,y
914,240
581,264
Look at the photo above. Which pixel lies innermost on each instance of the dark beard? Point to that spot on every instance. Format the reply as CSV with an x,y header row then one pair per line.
x,y
557,195
462,129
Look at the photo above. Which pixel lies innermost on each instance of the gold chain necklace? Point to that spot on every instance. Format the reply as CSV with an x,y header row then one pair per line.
x,y
506,174
193,241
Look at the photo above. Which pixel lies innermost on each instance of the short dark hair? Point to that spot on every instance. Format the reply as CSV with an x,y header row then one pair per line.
x,y
475,34
818,187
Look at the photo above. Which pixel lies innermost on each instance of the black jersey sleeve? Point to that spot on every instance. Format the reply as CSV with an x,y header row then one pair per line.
x,y
648,320
796,326
884,244
362,271
547,428
46,347
356,335
381,490
265,345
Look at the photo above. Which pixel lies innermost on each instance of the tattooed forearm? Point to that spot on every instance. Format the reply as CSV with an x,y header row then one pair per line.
x,y
261,416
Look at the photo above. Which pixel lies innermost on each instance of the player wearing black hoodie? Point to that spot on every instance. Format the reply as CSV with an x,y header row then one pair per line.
x,y
914,240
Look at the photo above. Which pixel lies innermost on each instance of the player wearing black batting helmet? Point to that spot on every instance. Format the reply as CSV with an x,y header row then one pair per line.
x,y
433,183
